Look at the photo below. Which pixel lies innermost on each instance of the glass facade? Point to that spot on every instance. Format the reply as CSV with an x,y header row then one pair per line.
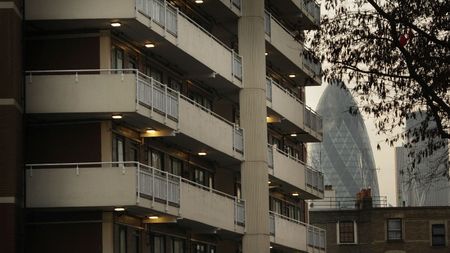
x,y
345,155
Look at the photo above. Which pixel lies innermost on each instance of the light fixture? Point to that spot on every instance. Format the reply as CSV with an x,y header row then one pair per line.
x,y
116,24
153,217
201,153
119,209
270,247
266,53
269,182
150,131
116,116
267,118
149,45
198,1
295,194
294,135
291,75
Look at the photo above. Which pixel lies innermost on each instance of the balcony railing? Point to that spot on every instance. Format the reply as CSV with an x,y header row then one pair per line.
x,y
314,178
313,9
316,237
166,15
311,63
310,118
152,184
347,202
236,3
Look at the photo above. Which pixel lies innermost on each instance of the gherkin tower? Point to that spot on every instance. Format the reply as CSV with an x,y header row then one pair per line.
x,y
345,155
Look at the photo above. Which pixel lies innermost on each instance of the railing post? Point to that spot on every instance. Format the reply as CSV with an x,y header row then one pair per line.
x,y
78,170
165,97
151,96
179,195
153,186
138,174
167,191
232,65
165,17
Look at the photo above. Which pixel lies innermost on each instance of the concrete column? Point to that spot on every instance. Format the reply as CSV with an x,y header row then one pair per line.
x,y
105,49
254,175
106,140
108,232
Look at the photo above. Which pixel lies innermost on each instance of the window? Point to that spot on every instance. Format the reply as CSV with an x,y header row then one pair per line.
x,y
177,245
199,248
346,232
122,239
118,149
155,159
394,229
438,235
117,58
158,244
176,166
203,177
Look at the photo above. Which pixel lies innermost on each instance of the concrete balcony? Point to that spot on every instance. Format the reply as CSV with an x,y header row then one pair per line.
x,y
136,187
294,116
289,55
287,233
307,19
178,38
295,173
142,101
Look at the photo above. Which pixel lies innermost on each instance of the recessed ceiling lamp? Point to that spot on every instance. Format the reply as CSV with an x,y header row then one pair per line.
x,y
116,24
198,1
294,135
266,53
291,75
116,116
295,194
201,153
153,217
150,131
119,209
149,45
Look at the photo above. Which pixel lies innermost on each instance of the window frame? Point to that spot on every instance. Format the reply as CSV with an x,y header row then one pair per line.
x,y
354,232
441,235
391,230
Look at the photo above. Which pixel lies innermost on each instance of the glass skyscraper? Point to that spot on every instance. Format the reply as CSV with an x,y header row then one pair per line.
x,y
345,155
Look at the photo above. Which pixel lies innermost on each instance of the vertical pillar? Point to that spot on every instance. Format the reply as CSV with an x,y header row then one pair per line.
x,y
107,232
105,49
11,127
252,99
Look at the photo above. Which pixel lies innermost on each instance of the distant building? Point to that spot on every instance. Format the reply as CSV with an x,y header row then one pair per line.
x,y
345,155
389,230
425,185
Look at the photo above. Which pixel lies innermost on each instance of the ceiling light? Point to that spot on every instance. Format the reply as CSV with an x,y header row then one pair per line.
x,y
202,153
116,24
150,131
149,45
119,209
291,75
266,53
269,182
270,247
295,194
117,116
153,217
294,135
198,1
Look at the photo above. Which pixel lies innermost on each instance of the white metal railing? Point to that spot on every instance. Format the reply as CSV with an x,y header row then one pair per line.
x,y
312,120
347,202
269,89
270,156
161,12
166,15
153,184
157,96
311,63
316,237
313,9
236,65
314,178
267,27
271,223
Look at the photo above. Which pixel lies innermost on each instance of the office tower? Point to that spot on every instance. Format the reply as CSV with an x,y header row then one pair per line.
x,y
148,123
345,155
424,182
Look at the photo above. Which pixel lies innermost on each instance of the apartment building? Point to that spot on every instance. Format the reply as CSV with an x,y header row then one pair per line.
x,y
163,126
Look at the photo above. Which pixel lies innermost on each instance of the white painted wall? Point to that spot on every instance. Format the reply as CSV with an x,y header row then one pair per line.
x,y
286,44
287,106
289,170
79,9
211,209
290,234
90,93
202,126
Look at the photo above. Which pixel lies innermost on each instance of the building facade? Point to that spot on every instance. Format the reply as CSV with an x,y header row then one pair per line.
x,y
385,230
161,126
345,155
423,181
